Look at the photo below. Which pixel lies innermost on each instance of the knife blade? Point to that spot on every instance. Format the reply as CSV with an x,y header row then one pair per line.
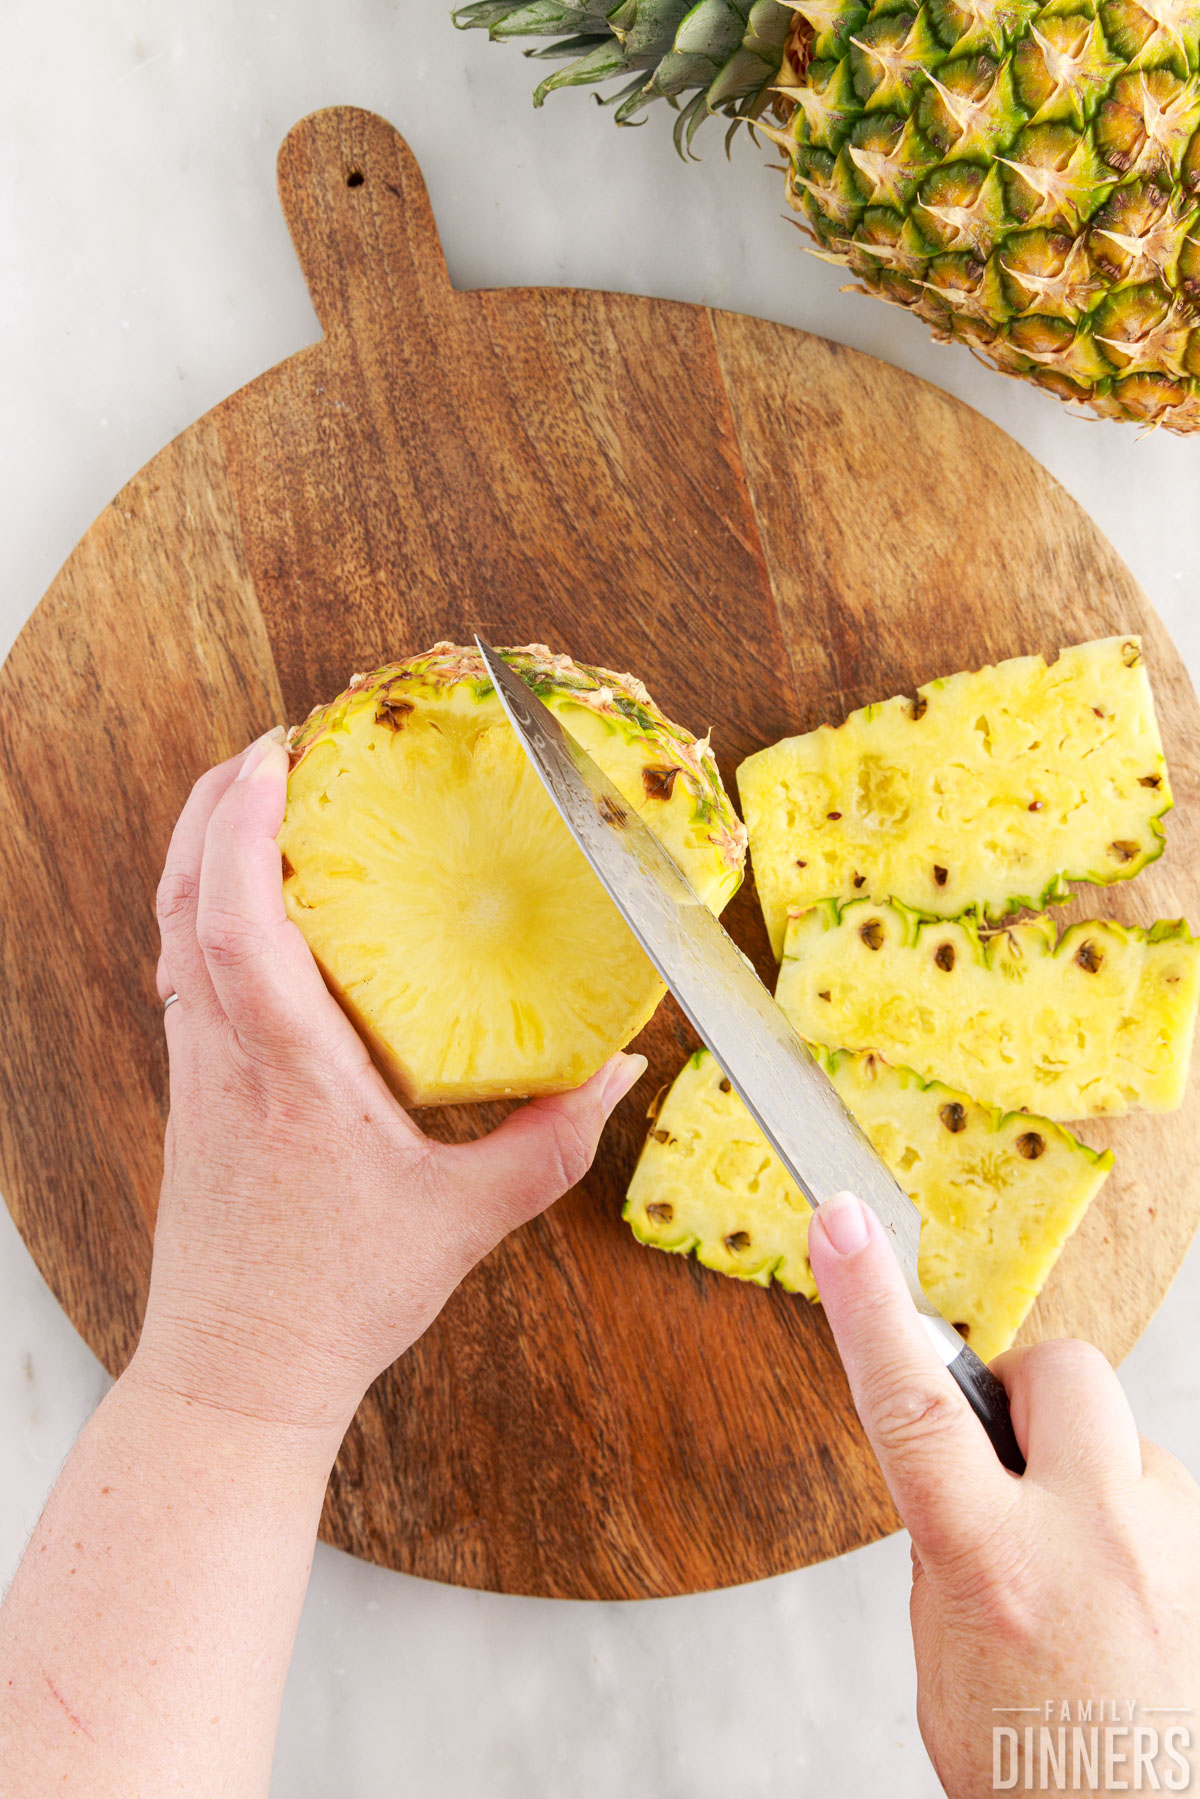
x,y
769,1065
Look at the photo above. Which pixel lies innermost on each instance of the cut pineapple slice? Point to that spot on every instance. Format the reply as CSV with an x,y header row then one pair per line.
x,y
999,1194
1097,1021
991,792
442,896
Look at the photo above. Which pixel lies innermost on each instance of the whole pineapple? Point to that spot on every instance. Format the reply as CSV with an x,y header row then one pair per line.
x,y
1022,174
443,897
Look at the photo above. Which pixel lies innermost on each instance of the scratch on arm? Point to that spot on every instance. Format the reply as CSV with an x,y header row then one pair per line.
x,y
76,1721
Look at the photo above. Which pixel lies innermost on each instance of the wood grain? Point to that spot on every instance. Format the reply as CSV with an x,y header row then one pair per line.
x,y
769,530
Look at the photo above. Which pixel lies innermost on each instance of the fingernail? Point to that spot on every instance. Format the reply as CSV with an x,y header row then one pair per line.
x,y
258,758
624,1074
844,1221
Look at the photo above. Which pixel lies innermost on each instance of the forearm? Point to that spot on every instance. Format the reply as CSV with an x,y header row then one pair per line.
x,y
145,1639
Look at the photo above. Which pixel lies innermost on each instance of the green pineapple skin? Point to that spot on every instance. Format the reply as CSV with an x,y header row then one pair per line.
x,y
984,1271
1023,177
1059,1005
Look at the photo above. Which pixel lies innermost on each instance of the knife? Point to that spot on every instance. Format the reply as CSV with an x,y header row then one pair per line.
x,y
771,1067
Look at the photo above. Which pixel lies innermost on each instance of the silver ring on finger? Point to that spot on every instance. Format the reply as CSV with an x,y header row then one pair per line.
x,y
169,1001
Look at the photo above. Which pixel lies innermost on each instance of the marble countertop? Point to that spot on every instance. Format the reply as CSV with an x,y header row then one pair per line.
x,y
147,273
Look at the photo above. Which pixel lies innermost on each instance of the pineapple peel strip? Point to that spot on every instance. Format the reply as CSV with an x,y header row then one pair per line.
x,y
989,792
1096,1021
999,1193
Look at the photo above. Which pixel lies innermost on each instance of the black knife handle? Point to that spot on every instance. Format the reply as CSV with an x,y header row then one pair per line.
x,y
989,1402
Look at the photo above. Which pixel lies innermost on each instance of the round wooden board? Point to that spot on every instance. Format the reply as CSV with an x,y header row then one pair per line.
x,y
767,528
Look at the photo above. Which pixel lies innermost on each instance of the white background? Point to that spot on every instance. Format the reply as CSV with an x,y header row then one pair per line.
x,y
144,274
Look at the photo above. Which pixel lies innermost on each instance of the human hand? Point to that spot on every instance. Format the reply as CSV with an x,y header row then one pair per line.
x,y
1077,1583
307,1231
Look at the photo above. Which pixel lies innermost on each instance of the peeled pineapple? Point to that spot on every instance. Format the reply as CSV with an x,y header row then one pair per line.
x,y
989,792
999,1193
447,905
1097,1021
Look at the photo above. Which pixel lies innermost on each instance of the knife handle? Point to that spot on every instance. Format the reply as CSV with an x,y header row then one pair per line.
x,y
989,1402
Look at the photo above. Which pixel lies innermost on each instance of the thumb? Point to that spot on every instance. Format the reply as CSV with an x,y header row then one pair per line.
x,y
941,1470
539,1152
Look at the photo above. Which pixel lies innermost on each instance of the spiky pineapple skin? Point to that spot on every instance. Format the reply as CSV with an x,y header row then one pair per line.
x,y
445,695
1024,175
995,1217
991,791
1095,1022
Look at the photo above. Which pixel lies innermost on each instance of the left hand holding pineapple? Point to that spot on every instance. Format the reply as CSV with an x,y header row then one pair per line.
x,y
308,1231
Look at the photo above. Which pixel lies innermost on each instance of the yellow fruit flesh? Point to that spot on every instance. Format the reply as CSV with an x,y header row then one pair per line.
x,y
444,899
993,791
1099,1021
999,1195
450,848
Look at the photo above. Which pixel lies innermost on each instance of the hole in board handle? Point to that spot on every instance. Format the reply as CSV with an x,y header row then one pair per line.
x,y
355,178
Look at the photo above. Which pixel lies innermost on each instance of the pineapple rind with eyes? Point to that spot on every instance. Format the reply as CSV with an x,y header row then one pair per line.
x,y
987,792
999,1193
1092,1023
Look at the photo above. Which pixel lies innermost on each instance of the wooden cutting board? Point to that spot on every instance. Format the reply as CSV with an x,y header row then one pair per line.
x,y
770,530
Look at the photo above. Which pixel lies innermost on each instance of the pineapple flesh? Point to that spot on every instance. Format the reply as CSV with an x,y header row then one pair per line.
x,y
1096,1022
999,1193
1023,175
443,898
989,792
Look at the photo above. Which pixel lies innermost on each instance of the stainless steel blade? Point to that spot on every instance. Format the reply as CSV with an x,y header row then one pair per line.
x,y
769,1065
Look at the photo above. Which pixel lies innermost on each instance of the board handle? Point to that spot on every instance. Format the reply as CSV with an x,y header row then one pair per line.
x,y
356,205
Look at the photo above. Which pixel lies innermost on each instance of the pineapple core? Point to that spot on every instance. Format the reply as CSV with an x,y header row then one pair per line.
x,y
442,896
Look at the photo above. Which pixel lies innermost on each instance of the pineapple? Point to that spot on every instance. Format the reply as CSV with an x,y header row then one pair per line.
x,y
999,1194
990,791
1095,1022
723,59
1021,174
447,905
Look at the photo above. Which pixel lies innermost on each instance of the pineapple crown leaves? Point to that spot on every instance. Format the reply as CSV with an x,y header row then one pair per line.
x,y
723,55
